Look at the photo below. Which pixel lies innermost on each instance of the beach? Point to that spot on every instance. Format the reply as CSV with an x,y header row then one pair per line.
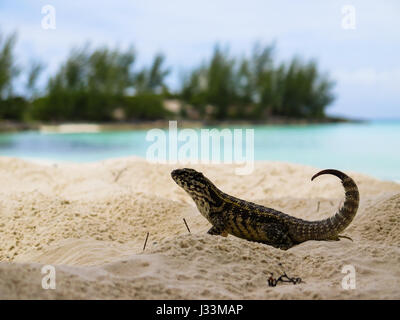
x,y
90,221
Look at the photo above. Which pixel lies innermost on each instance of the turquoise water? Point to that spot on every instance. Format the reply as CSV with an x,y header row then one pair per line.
x,y
371,148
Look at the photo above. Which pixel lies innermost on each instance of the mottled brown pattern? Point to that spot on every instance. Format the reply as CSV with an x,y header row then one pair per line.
x,y
250,221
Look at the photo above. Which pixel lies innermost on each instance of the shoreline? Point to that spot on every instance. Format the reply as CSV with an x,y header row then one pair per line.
x,y
70,127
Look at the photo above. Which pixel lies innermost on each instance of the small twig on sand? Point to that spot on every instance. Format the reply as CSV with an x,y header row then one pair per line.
x,y
318,206
346,237
272,282
145,242
186,224
118,174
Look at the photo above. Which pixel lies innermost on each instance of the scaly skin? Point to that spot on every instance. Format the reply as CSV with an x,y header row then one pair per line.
x,y
253,222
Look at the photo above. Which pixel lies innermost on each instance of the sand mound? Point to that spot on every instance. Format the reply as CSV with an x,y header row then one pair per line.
x,y
90,221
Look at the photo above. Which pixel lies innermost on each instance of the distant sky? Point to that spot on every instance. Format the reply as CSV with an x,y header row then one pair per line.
x,y
365,61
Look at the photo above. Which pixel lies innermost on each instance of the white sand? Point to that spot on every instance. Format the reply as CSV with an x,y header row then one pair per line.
x,y
90,221
70,128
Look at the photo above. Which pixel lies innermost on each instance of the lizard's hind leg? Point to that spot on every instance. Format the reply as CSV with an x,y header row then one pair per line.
x,y
277,236
217,231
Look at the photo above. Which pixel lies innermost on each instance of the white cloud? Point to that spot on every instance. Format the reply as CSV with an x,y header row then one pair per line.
x,y
389,79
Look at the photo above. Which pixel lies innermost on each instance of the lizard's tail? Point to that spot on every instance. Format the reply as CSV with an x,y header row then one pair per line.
x,y
330,228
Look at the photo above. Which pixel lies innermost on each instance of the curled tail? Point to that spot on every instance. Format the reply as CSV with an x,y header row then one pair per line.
x,y
331,227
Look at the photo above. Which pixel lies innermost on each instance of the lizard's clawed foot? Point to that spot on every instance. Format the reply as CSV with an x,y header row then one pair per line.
x,y
216,231
346,237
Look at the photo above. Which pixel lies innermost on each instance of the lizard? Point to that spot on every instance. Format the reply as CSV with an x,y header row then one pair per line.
x,y
253,222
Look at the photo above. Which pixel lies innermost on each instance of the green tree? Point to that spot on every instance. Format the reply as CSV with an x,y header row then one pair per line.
x,y
88,85
220,82
152,79
12,107
8,68
212,83
34,70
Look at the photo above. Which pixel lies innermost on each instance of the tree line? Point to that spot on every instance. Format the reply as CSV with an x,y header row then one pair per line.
x,y
103,84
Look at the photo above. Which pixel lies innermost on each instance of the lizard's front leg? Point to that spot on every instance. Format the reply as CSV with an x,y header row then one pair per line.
x,y
218,230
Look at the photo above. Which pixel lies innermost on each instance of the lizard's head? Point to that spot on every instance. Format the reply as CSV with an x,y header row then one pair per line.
x,y
190,179
194,183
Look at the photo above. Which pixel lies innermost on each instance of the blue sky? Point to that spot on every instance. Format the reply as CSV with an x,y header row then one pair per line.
x,y
363,61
